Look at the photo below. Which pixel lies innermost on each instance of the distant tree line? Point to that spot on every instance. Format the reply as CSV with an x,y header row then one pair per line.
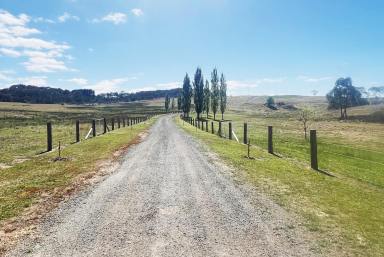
x,y
206,96
48,95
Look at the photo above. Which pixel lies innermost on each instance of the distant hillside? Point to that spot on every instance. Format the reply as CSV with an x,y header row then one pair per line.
x,y
247,102
48,95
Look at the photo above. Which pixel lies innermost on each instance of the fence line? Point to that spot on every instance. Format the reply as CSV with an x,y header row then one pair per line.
x,y
312,148
130,121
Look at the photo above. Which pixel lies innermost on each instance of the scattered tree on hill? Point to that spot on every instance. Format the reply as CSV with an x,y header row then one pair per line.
x,y
186,96
270,102
344,95
376,91
179,107
198,87
375,94
306,114
166,103
215,92
223,95
207,97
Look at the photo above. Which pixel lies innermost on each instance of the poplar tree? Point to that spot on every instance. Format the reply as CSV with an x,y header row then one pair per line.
x,y
223,95
186,96
179,107
214,92
173,104
166,103
207,97
198,97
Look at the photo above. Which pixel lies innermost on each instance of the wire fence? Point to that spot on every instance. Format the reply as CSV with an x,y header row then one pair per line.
x,y
21,142
357,162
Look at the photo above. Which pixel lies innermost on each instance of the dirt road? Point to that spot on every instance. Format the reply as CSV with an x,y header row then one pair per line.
x,y
169,198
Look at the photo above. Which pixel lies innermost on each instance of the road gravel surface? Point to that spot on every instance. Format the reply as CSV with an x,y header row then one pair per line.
x,y
170,197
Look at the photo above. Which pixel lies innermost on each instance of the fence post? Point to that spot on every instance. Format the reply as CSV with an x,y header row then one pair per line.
x,y
105,125
77,131
206,126
128,121
245,135
49,136
113,124
212,129
313,141
220,129
123,122
230,130
93,128
118,122
270,139
202,125
131,121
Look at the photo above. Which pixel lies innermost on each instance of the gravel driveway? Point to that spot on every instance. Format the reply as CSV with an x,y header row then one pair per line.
x,y
170,197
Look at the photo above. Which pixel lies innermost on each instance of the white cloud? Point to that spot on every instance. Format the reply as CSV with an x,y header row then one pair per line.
x,y
8,19
244,84
237,84
17,31
78,81
159,86
112,85
44,64
43,20
9,52
137,12
66,17
39,81
16,41
312,79
114,17
34,43
5,75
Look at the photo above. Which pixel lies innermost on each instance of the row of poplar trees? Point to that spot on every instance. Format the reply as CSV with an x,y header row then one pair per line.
x,y
206,96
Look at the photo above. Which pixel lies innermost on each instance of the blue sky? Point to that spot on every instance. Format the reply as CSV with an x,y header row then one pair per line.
x,y
263,47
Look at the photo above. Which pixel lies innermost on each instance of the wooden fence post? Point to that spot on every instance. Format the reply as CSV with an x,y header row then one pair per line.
x,y
230,130
245,134
105,125
118,122
94,128
270,139
77,131
206,126
212,129
202,125
313,141
128,121
123,122
113,124
49,136
220,128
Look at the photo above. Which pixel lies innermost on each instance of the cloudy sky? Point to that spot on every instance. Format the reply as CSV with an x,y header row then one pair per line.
x,y
262,46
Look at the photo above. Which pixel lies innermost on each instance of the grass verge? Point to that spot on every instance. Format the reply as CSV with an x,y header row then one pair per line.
x,y
24,185
346,218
